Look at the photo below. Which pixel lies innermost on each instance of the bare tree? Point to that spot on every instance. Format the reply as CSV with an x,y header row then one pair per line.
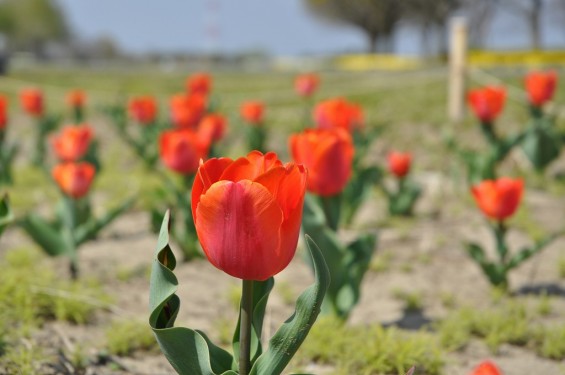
x,y
531,11
377,19
480,14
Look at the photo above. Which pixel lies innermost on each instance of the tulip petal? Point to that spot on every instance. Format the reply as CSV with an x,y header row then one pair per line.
x,y
207,175
238,224
251,166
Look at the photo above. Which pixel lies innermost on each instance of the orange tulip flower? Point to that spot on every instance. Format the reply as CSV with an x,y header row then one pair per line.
x,y
486,368
187,110
306,84
76,98
248,212
498,199
253,112
143,109
181,150
338,113
399,163
3,112
199,83
73,142
487,102
541,87
31,101
328,155
74,179
212,128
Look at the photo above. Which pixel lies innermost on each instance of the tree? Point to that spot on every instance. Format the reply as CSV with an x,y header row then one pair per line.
x,y
30,24
531,11
377,19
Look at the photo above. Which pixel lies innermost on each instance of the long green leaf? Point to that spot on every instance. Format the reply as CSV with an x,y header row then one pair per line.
x,y
188,351
286,341
43,234
89,229
6,216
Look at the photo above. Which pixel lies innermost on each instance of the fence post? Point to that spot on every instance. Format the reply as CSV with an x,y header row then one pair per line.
x,y
457,68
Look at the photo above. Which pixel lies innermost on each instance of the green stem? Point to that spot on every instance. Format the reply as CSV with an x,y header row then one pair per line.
x,y
245,327
501,247
489,133
330,211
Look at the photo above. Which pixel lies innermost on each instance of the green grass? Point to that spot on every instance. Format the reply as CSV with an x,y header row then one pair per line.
x,y
124,337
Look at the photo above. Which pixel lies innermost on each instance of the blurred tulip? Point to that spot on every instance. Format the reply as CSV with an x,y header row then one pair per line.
x,y
338,113
306,84
212,128
76,99
498,199
487,102
248,212
399,163
486,368
74,179
199,83
181,150
328,155
3,112
253,112
541,87
31,101
143,109
73,142
187,110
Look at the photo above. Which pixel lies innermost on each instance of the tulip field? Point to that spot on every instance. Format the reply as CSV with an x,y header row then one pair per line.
x,y
261,223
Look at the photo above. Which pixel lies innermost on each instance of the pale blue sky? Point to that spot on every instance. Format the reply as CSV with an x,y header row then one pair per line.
x,y
281,27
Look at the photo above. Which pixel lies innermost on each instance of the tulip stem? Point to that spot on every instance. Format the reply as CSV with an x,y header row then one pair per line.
x,y
245,327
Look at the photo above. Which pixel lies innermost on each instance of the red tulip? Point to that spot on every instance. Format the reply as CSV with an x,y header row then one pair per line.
x,y
338,113
487,102
181,150
74,179
306,84
248,212
486,368
3,112
143,109
199,83
187,110
498,199
73,142
541,87
328,155
253,112
399,163
31,101
76,98
212,128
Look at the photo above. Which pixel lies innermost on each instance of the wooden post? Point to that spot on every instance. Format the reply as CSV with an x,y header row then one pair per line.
x,y
457,67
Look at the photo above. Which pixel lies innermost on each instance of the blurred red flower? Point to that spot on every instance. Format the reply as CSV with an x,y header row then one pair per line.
x,y
31,101
486,368
541,87
76,98
3,112
187,110
498,199
248,213
212,128
399,163
73,142
306,84
199,83
74,179
328,155
253,112
143,109
181,150
338,113
487,102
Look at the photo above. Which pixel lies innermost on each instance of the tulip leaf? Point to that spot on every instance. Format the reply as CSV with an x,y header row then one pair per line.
x,y
190,352
528,252
6,216
286,341
43,234
357,190
261,292
541,144
91,228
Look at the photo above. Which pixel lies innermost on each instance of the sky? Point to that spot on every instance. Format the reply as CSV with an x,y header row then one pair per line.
x,y
279,27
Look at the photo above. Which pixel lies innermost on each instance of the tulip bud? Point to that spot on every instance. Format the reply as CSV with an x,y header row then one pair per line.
x,y
31,101
338,113
498,199
181,150
76,98
73,142
199,83
306,84
143,109
399,163
74,179
541,87
487,102
253,112
187,110
486,368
